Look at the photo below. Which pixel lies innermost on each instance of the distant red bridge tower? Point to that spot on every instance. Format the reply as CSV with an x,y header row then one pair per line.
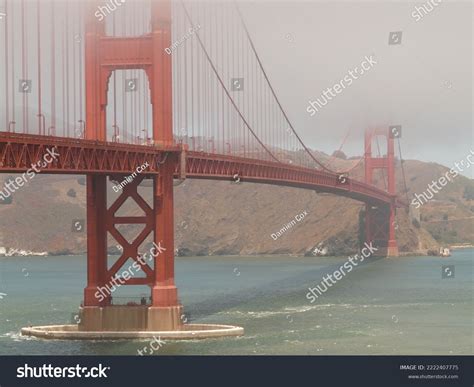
x,y
380,225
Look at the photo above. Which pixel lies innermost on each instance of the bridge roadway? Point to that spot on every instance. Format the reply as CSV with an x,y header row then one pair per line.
x,y
78,156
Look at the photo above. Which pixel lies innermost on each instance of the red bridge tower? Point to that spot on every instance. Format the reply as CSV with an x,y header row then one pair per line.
x,y
380,222
103,55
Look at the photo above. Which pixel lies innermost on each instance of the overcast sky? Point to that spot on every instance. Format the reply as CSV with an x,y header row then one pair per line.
x,y
424,84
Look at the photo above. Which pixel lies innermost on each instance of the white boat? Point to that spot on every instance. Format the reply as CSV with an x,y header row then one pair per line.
x,y
444,252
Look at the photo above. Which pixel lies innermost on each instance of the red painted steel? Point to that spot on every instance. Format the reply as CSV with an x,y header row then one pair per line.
x,y
96,238
103,56
220,167
77,156
380,222
130,250
19,151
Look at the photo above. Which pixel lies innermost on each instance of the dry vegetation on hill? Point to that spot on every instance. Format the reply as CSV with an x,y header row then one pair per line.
x,y
224,218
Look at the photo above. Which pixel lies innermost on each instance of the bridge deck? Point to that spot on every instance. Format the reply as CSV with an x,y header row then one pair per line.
x,y
77,156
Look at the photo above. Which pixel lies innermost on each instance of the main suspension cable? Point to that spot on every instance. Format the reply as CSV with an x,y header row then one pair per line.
x,y
223,85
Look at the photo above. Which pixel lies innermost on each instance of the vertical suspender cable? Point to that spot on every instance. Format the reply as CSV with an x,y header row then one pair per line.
x,y
234,131
63,62
123,77
146,80
7,107
133,115
23,63
136,74
199,87
205,85
403,169
38,35
81,58
74,75
67,68
215,117
240,73
208,58
248,96
53,70
10,15
114,82
380,155
27,118
229,135
139,92
143,87
215,132
192,88
186,125
221,92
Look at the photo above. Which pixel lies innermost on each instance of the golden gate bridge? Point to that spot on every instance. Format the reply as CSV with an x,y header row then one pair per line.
x,y
179,86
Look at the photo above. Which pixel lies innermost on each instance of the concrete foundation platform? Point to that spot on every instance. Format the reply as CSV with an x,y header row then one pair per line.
x,y
187,332
130,318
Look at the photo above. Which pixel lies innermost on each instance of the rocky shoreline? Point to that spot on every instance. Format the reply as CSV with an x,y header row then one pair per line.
x,y
11,252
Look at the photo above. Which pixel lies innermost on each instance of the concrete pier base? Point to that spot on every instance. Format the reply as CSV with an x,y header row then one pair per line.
x,y
393,251
131,322
392,248
130,318
187,332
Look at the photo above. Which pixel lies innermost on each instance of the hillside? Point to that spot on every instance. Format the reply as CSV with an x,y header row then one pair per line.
x,y
227,218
